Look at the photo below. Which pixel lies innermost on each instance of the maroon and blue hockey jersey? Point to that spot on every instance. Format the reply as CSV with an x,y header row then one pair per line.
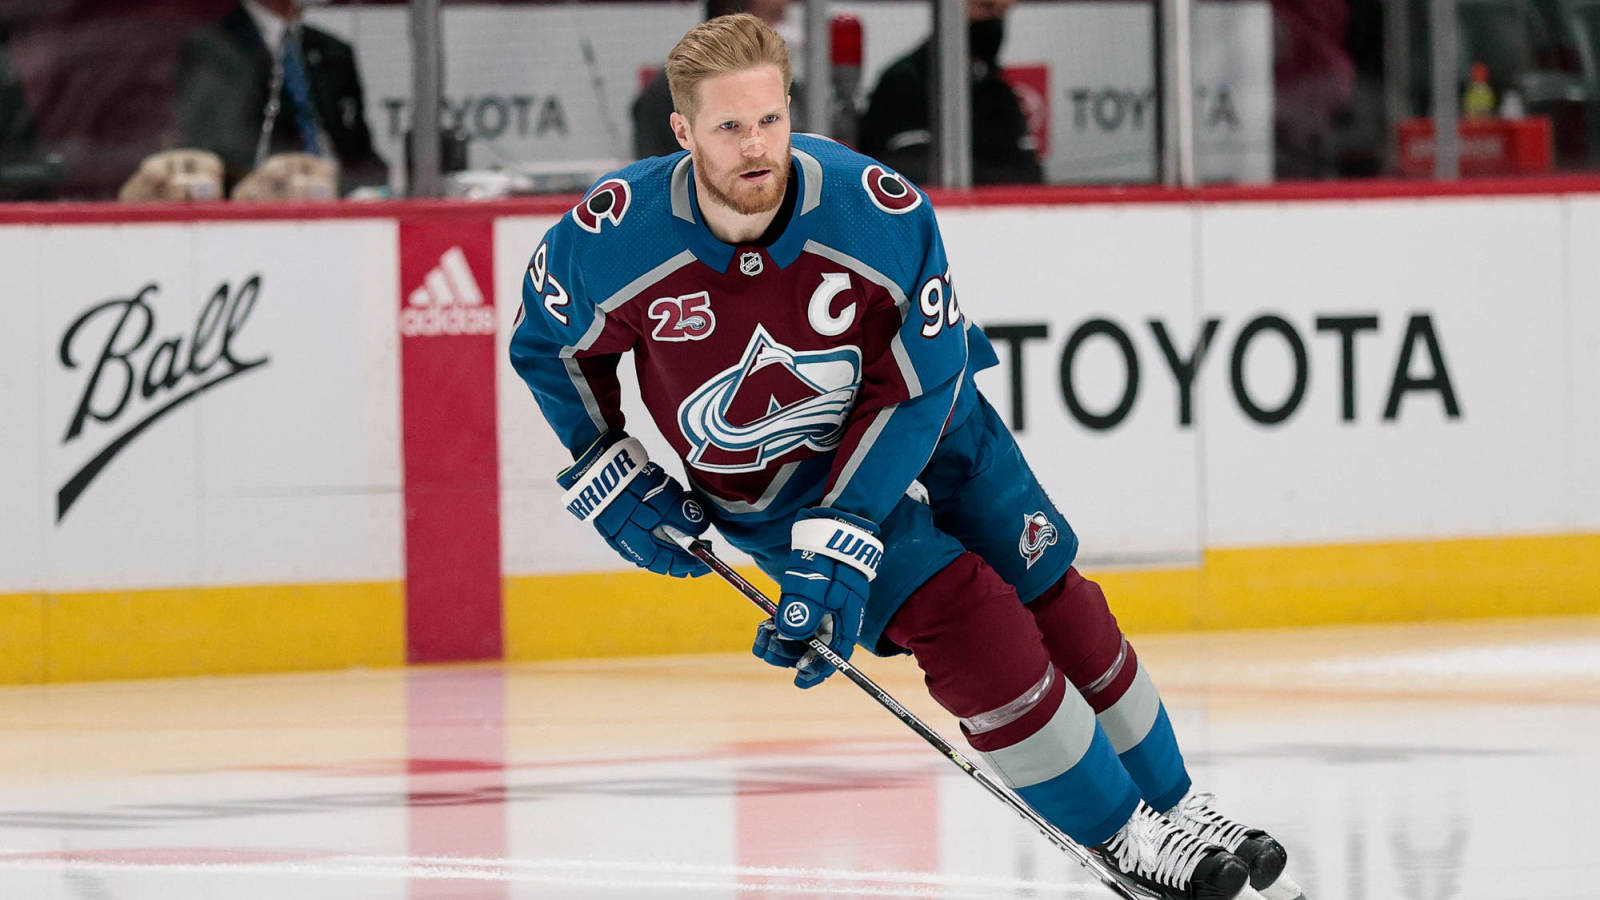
x,y
817,370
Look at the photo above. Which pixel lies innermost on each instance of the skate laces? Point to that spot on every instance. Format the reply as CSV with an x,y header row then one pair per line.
x,y
1151,847
1195,815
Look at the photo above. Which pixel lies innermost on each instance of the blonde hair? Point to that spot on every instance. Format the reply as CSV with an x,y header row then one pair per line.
x,y
719,46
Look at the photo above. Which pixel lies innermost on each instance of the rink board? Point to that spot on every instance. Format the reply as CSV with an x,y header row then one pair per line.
x,y
291,440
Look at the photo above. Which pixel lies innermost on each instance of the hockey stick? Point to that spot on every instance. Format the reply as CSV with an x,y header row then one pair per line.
x,y
702,551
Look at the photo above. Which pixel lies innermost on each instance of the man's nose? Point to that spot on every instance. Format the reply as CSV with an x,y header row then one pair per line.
x,y
753,143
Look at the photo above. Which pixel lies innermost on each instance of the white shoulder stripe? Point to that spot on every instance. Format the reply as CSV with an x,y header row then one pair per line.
x,y
633,288
868,440
902,358
813,179
680,190
629,291
581,385
908,372
742,506
871,438
862,269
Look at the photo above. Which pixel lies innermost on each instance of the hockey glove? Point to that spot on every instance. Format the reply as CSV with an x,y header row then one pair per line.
x,y
833,558
616,486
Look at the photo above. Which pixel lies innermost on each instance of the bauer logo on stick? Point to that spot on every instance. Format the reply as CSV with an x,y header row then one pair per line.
x,y
1037,534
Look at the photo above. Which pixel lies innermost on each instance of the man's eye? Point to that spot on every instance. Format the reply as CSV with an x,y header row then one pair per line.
x,y
771,118
728,126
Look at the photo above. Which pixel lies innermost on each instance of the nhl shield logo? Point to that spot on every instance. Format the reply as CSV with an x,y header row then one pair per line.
x,y
1037,534
750,263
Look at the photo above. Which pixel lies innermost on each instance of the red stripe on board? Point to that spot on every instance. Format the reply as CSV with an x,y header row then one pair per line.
x,y
389,210
452,466
1353,190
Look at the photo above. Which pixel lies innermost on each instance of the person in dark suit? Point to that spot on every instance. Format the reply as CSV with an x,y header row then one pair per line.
x,y
18,133
227,73
896,128
24,174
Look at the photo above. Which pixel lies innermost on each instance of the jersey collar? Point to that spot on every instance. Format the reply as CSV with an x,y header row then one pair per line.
x,y
718,255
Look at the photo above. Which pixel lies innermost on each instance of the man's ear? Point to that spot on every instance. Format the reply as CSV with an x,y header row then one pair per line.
x,y
680,129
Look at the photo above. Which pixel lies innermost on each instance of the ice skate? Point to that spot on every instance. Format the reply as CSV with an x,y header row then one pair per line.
x,y
1257,849
1162,858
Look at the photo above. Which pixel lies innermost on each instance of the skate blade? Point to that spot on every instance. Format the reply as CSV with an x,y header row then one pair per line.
x,y
1137,890
1283,889
1245,893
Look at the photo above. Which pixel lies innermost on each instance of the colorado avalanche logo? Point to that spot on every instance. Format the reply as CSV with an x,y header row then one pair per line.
x,y
774,400
889,192
1037,534
608,202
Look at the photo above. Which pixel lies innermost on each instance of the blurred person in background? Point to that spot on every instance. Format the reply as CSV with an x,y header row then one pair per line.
x,y
279,101
652,134
97,79
896,129
1313,77
19,137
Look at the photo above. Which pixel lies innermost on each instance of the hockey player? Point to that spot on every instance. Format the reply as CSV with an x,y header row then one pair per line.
x,y
799,344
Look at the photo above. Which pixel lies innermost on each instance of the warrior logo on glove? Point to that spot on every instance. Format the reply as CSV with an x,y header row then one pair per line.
x,y
795,615
693,512
630,500
862,552
598,489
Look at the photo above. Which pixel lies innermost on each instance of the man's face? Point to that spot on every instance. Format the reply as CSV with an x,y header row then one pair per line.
x,y
739,139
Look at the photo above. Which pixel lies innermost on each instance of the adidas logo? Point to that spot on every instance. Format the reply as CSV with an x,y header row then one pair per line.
x,y
448,302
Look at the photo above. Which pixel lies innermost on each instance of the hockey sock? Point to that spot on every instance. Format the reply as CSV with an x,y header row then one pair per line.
x,y
1085,643
985,662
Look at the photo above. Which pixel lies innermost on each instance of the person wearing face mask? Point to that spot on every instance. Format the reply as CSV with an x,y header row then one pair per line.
x,y
279,101
896,129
